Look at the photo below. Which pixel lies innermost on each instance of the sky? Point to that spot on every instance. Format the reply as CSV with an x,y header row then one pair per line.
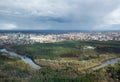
x,y
59,14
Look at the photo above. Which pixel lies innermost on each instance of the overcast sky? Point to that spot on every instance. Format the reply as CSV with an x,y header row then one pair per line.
x,y
60,14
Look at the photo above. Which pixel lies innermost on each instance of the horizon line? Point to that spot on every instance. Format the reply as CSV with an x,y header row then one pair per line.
x,y
53,30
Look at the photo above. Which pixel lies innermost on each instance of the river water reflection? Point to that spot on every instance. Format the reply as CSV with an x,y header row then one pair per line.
x,y
109,62
23,58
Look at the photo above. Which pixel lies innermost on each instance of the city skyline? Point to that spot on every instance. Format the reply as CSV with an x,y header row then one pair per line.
x,y
59,15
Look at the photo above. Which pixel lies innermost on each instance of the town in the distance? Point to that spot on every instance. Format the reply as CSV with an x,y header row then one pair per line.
x,y
31,38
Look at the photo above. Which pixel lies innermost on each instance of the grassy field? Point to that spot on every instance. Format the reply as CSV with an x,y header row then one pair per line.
x,y
64,63
61,62
69,53
14,70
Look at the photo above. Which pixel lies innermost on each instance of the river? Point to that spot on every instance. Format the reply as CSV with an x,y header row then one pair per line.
x,y
31,63
106,63
23,58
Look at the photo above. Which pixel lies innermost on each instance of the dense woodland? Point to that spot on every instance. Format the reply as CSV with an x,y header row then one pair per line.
x,y
65,49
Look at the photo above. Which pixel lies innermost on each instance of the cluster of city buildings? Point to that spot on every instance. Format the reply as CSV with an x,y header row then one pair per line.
x,y
31,38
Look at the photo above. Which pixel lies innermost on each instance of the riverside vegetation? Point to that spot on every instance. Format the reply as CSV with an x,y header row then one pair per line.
x,y
67,61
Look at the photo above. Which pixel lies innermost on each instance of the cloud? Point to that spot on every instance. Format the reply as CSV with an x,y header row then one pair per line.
x,y
113,17
7,26
40,7
111,21
61,14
